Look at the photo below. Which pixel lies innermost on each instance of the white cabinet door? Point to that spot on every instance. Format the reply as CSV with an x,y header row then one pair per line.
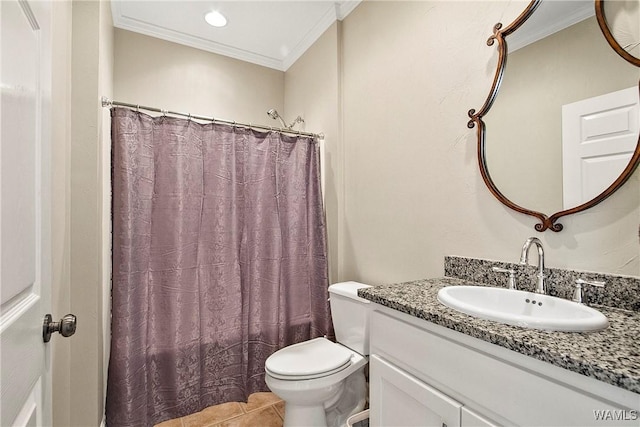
x,y
25,72
398,399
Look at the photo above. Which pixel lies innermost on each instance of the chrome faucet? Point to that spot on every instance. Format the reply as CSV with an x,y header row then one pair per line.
x,y
524,259
578,292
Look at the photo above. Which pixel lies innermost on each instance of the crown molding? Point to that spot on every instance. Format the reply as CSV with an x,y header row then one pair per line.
x,y
345,8
311,37
543,31
142,27
339,12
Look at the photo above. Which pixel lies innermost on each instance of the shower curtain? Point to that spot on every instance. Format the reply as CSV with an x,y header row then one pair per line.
x,y
219,259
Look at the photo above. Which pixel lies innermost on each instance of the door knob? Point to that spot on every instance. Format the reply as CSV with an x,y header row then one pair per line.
x,y
66,326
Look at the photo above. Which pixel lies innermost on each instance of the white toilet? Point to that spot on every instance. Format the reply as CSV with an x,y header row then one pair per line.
x,y
322,383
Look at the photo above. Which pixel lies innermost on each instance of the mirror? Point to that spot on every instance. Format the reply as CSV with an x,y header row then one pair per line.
x,y
562,134
620,23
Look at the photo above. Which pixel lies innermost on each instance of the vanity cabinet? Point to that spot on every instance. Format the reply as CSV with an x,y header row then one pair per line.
x,y
422,374
403,400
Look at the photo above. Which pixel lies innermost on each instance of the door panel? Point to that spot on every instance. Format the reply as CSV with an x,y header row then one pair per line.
x,y
599,136
24,210
19,112
30,415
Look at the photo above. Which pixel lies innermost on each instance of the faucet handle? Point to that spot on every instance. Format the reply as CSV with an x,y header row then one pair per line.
x,y
578,294
512,275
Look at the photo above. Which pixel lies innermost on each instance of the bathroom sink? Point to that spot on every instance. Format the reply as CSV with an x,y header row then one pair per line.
x,y
520,308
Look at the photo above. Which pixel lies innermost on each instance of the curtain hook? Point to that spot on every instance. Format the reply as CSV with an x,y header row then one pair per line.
x,y
164,113
137,108
189,118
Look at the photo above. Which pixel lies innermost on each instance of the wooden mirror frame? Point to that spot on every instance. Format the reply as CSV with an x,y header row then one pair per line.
x,y
546,221
604,27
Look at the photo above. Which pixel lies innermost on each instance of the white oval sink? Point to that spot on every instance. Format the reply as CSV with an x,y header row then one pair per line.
x,y
520,308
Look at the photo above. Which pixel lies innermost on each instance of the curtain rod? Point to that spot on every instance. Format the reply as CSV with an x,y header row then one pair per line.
x,y
106,102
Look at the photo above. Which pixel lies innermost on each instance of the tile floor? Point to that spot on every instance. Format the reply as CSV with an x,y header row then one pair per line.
x,y
262,409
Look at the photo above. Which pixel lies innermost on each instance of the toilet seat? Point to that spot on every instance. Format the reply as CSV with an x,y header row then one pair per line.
x,y
308,360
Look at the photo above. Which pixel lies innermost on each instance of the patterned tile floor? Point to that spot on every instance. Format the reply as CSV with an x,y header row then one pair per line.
x,y
262,409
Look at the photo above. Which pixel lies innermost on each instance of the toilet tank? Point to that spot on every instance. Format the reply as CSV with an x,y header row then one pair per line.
x,y
350,315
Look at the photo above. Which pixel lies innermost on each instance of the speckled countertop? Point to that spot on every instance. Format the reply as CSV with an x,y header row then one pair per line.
x,y
611,355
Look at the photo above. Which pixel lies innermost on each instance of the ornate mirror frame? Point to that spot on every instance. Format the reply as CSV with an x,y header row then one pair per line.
x,y
604,27
499,34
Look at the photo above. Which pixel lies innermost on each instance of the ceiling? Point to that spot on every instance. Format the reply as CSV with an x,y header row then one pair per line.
x,y
550,17
270,33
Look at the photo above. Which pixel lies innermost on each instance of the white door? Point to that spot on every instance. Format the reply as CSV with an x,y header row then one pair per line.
x,y
599,136
25,83
401,400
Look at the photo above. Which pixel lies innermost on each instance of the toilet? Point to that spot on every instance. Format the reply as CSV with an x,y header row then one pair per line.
x,y
321,382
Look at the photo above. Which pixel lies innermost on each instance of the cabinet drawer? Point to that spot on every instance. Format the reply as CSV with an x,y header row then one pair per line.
x,y
497,388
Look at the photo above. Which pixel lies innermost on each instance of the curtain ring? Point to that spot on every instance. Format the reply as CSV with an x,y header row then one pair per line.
x,y
137,108
164,113
189,118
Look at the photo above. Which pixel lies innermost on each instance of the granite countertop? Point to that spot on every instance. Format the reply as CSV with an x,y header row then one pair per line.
x,y
611,355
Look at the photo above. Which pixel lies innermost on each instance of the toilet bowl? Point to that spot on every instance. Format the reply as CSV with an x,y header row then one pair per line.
x,y
321,382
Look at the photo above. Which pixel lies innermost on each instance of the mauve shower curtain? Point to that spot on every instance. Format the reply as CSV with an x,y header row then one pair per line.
x,y
219,259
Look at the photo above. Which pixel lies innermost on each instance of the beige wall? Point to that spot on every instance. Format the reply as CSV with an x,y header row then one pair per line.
x,y
162,74
91,65
413,193
524,126
60,227
312,90
105,88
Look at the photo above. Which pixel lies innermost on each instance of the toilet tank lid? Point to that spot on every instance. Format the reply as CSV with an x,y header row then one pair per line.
x,y
348,289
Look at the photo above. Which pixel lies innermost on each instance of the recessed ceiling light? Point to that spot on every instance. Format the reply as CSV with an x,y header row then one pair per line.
x,y
215,19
